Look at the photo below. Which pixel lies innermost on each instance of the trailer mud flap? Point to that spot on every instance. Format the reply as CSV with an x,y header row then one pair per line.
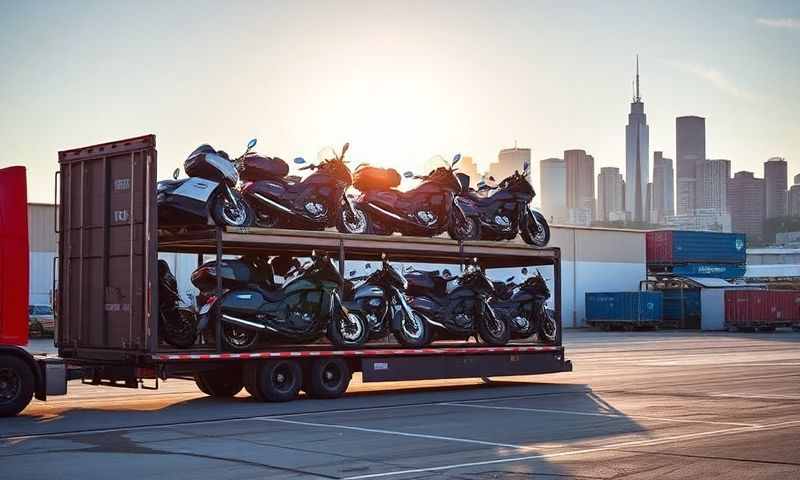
x,y
386,369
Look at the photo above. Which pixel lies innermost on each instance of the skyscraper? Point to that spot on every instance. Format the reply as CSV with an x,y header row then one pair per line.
x,y
690,149
610,193
580,186
794,198
775,177
746,204
663,202
637,163
508,161
553,189
712,181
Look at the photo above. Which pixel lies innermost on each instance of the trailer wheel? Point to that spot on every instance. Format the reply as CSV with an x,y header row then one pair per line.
x,y
222,383
16,385
273,380
328,378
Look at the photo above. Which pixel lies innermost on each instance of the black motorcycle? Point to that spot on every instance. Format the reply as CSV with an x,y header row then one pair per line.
x,y
462,311
209,191
306,306
505,210
381,298
427,210
523,307
312,203
177,324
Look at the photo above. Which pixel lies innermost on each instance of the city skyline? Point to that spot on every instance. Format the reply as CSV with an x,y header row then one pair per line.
x,y
400,83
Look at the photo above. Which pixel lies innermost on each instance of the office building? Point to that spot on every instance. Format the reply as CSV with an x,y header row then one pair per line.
x,y
510,160
552,191
690,149
775,177
610,194
746,204
702,219
712,181
663,201
793,200
580,186
637,163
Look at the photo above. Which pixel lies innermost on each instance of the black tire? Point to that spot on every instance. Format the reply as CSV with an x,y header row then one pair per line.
x,y
179,328
273,380
224,214
493,330
16,385
414,333
535,232
222,383
328,378
238,339
360,224
348,334
459,230
547,328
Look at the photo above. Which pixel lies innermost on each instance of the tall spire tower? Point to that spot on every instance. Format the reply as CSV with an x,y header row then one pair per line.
x,y
637,165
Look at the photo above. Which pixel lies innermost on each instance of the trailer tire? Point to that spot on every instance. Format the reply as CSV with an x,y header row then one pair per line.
x,y
328,378
273,380
222,383
16,385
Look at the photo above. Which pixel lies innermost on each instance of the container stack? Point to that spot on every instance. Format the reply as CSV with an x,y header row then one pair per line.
x,y
696,254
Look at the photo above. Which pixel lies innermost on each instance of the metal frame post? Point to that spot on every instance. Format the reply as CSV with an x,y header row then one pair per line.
x,y
218,328
557,294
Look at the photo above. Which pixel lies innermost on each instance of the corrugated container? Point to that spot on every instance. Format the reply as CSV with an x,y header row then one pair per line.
x,y
682,307
676,246
624,307
762,307
710,270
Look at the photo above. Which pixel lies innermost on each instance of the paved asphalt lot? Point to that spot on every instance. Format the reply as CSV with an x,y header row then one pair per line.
x,y
638,405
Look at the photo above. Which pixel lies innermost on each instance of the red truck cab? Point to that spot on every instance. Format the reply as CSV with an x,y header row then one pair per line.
x,y
21,374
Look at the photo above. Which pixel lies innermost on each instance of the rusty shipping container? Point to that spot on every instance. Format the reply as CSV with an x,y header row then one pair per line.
x,y
762,307
107,247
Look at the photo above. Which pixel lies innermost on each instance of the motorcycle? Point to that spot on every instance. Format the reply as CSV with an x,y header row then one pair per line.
x,y
505,210
461,311
312,203
381,297
302,309
177,324
208,190
523,307
427,210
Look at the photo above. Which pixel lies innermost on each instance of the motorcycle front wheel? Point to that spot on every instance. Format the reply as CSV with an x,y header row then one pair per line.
x,y
357,221
493,330
350,330
468,228
547,328
237,338
535,230
225,213
414,332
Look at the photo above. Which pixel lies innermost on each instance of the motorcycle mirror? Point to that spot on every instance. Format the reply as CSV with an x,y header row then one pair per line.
x,y
510,279
368,266
446,273
491,178
524,270
175,173
299,160
352,273
456,158
345,148
251,144
408,174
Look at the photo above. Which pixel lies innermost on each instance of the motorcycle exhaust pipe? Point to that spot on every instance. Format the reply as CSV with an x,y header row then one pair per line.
x,y
242,322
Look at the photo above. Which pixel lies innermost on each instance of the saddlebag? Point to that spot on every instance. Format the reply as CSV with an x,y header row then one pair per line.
x,y
255,168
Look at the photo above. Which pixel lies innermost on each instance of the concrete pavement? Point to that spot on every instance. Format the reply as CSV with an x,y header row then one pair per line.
x,y
650,405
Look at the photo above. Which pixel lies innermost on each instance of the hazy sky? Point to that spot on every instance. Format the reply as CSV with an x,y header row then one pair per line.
x,y
401,81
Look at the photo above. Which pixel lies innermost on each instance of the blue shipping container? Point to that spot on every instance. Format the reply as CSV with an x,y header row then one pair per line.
x,y
677,246
710,270
682,307
624,307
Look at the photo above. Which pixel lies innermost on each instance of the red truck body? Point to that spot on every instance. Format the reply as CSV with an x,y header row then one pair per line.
x,y
13,257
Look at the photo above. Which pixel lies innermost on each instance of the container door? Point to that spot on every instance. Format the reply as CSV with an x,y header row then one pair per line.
x,y
107,246
13,257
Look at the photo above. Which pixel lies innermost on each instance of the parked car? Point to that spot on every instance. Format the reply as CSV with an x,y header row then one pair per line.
x,y
41,320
